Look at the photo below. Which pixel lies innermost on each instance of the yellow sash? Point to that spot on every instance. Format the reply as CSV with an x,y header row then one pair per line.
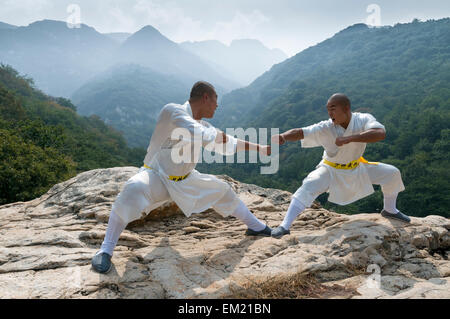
x,y
351,165
173,178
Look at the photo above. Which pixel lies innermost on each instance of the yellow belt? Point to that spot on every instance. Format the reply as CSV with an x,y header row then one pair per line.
x,y
351,165
172,178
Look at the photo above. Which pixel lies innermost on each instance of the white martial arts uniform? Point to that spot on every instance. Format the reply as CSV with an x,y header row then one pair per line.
x,y
151,188
345,185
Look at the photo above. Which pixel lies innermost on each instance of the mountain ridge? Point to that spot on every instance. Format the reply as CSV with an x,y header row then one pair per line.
x,y
4,25
243,59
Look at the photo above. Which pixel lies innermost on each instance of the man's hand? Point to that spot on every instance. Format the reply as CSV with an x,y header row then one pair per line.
x,y
278,139
265,150
221,137
343,140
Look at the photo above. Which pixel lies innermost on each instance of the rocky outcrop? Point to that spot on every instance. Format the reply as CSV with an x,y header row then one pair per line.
x,y
46,246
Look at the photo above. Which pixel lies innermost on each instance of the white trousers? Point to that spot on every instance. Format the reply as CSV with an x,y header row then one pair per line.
x,y
318,182
145,192
116,226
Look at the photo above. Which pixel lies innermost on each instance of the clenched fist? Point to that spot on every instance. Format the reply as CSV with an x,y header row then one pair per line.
x,y
278,139
343,140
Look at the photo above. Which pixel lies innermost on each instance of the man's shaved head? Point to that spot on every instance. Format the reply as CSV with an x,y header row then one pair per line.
x,y
340,99
339,109
203,100
200,88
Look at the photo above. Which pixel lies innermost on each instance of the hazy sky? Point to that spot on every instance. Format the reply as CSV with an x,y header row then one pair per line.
x,y
291,25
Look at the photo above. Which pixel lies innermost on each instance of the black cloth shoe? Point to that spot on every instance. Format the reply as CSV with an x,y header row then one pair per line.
x,y
265,232
101,263
280,232
398,216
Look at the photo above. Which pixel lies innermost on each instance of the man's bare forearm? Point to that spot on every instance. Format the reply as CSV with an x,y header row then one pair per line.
x,y
243,146
293,135
369,136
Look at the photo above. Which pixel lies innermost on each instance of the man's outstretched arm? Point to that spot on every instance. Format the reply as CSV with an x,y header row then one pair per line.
x,y
241,145
293,135
370,136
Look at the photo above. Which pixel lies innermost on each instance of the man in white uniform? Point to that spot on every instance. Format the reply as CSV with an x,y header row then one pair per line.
x,y
343,172
167,175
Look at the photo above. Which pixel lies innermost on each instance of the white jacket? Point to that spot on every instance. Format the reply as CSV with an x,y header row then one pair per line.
x,y
350,185
198,192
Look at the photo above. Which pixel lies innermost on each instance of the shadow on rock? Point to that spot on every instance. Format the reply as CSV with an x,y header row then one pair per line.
x,y
166,273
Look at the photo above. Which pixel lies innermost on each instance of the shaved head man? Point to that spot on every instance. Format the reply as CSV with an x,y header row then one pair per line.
x,y
343,172
162,177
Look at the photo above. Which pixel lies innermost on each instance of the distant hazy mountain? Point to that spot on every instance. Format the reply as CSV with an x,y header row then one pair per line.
x,y
244,60
149,71
59,59
119,37
129,98
7,26
148,47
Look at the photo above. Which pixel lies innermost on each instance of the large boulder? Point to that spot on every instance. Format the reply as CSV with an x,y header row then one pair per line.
x,y
46,246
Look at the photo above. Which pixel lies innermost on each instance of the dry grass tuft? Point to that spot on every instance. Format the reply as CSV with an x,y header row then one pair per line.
x,y
297,286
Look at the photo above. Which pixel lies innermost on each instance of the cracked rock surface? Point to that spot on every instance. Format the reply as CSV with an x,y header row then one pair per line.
x,y
46,246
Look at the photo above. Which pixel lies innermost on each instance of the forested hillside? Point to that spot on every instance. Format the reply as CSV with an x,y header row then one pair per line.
x,y
399,74
43,141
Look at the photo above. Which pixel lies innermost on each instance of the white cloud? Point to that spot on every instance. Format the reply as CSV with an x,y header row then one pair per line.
x,y
171,20
121,22
23,12
291,25
241,26
168,18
